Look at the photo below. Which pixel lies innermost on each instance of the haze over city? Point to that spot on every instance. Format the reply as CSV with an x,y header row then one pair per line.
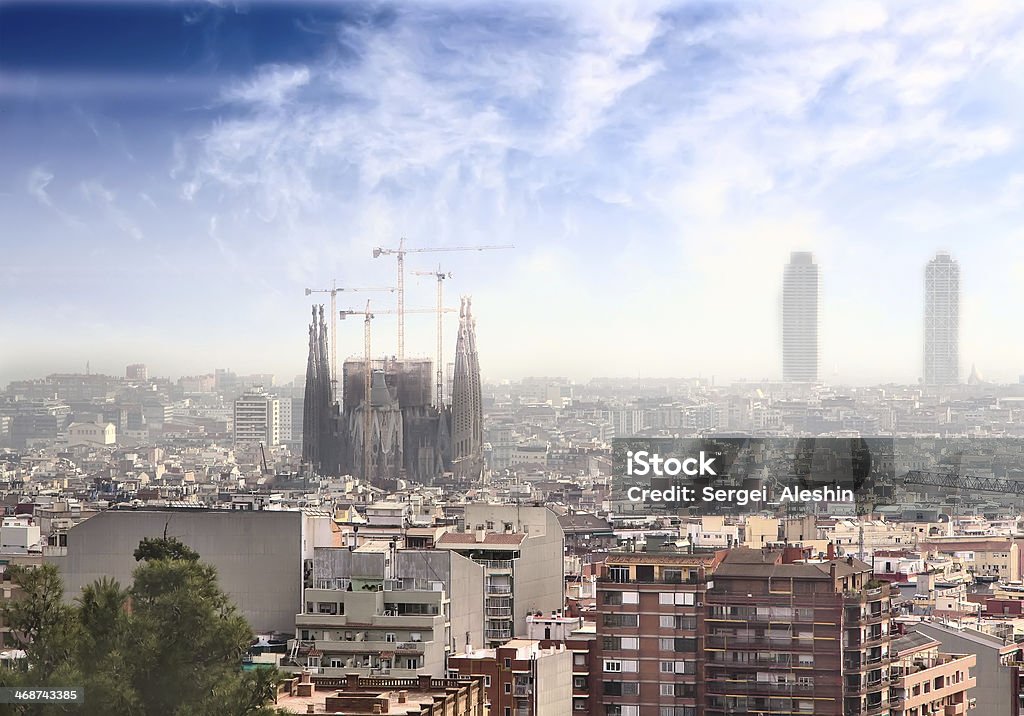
x,y
653,164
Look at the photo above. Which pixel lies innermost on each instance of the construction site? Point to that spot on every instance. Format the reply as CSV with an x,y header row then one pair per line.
x,y
387,418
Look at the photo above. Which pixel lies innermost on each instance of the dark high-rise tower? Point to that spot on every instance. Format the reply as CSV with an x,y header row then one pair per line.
x,y
800,319
942,320
467,401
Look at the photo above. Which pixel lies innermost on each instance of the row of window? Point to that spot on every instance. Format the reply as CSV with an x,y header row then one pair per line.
x,y
664,598
631,666
632,643
632,688
631,710
665,621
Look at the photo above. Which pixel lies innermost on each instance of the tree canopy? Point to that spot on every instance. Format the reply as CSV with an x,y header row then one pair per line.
x,y
170,644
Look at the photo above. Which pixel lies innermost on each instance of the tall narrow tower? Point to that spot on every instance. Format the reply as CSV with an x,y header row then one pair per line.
x,y
800,319
319,410
942,320
467,401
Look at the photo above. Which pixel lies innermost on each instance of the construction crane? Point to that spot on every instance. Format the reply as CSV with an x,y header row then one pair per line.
x,y
368,315
334,290
400,253
954,480
440,276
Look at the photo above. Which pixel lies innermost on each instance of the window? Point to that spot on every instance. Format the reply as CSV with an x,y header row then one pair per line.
x,y
389,637
508,687
487,681
612,666
579,682
327,608
630,597
666,622
631,621
667,644
618,574
630,665
668,667
667,689
629,643
508,663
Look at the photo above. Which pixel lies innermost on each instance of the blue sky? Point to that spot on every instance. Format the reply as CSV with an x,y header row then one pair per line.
x,y
174,174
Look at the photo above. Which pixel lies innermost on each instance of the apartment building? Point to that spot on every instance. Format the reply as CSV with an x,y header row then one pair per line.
x,y
521,550
522,677
925,681
379,610
579,637
650,624
257,418
788,634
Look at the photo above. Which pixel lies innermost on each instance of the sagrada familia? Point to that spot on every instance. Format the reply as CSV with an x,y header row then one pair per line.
x,y
410,437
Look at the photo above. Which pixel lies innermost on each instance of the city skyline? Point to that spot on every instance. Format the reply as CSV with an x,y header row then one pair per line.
x,y
169,194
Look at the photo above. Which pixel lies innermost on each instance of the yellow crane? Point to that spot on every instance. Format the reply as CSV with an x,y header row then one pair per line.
x,y
400,253
334,290
440,276
368,315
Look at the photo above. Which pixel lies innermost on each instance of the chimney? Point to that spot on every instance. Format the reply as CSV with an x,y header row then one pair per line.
x,y
310,709
403,695
831,550
424,682
376,708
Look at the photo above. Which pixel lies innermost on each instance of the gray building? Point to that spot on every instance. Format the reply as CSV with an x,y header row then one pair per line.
x,y
259,554
522,551
800,284
942,321
379,610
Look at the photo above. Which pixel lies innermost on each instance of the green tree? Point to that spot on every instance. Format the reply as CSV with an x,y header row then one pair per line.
x,y
171,644
41,624
153,548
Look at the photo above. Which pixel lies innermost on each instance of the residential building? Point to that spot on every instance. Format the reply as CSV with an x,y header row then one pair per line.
x,y
379,610
925,681
522,677
521,549
788,634
999,683
650,623
257,418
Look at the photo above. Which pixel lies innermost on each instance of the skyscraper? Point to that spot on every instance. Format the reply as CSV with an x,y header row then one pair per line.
x,y
942,320
800,319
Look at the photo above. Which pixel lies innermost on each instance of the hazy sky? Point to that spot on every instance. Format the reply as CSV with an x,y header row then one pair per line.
x,y
173,175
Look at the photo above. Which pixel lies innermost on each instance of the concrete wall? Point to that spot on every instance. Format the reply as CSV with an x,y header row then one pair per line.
x,y
995,688
258,555
553,684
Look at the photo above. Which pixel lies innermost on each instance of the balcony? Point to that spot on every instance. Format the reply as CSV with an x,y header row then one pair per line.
x,y
333,646
496,565
499,612
499,588
495,634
